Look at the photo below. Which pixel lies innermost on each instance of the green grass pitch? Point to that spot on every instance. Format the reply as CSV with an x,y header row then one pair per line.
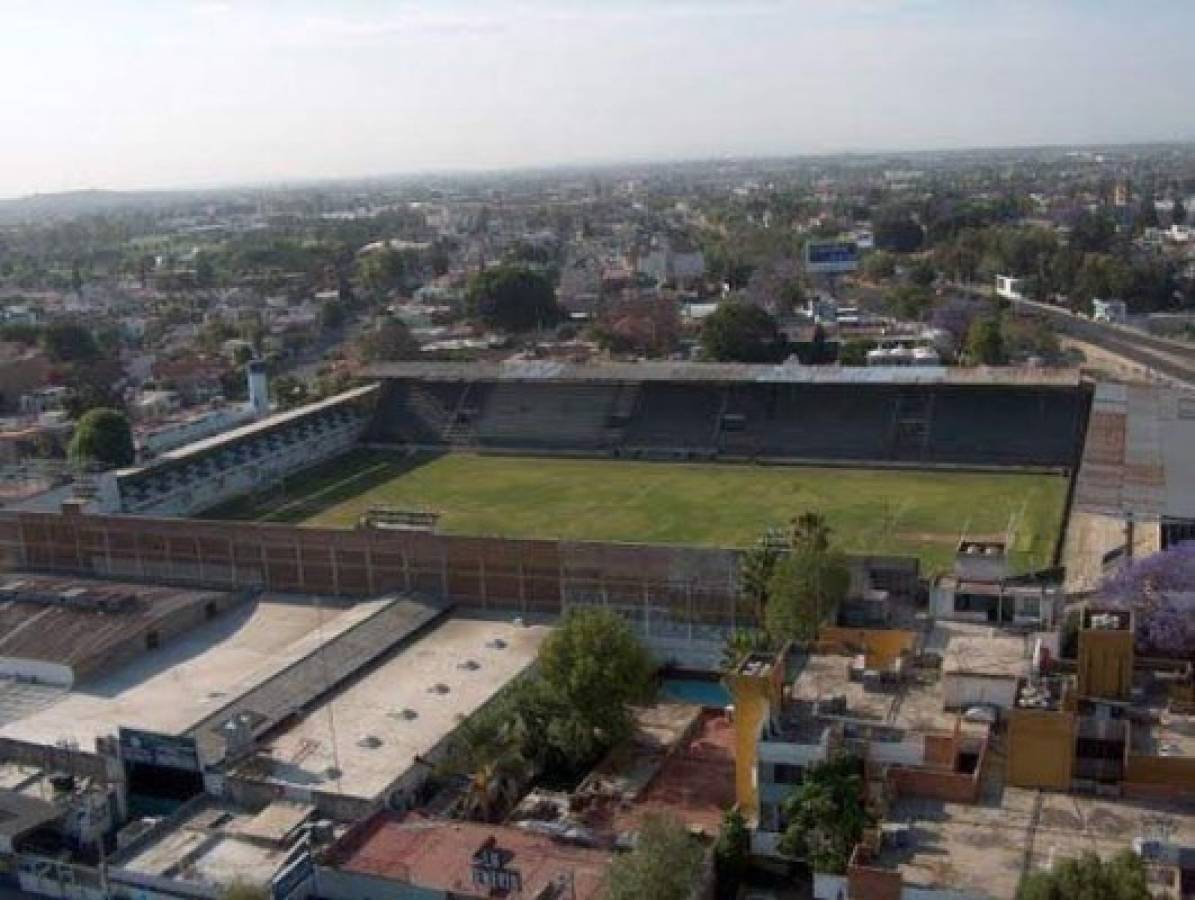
x,y
881,511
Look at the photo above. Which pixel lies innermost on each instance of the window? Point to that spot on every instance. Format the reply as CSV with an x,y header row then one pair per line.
x,y
785,774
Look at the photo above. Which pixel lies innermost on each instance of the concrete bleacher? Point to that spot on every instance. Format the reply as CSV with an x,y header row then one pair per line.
x,y
556,415
943,424
675,418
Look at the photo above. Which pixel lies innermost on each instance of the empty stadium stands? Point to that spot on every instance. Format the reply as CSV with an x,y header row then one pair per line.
x,y
934,424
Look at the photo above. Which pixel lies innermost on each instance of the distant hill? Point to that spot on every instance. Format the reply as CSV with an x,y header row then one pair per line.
x,y
87,202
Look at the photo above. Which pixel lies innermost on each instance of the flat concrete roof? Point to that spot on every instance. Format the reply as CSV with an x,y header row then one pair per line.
x,y
969,649
402,708
985,848
209,847
175,686
913,706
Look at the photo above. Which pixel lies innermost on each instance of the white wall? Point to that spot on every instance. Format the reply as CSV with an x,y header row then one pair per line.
x,y
960,690
36,670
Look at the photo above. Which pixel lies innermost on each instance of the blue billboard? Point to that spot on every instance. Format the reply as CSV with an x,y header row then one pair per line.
x,y
831,257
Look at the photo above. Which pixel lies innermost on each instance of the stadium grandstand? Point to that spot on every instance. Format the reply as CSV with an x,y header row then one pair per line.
x,y
203,474
949,417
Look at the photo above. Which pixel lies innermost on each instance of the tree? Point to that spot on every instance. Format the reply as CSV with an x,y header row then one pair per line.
x,y
810,531
1178,214
513,298
739,332
854,352
985,342
808,585
910,302
826,815
664,865
1089,878
1160,589
382,270
289,392
1148,218
103,436
591,668
389,341
879,265
804,594
333,314
1093,232
756,569
69,342
732,851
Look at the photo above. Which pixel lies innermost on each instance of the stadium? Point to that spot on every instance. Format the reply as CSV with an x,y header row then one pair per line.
x,y
527,487
906,464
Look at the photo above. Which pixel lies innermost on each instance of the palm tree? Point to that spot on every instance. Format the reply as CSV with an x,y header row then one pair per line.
x,y
494,787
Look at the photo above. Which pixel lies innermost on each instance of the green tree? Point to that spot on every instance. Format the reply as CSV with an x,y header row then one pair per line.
x,y
808,585
804,594
664,865
732,852
1178,214
756,568
910,302
391,340
879,265
740,332
1089,878
332,314
381,271
289,392
854,352
103,436
826,815
513,298
591,668
985,342
69,342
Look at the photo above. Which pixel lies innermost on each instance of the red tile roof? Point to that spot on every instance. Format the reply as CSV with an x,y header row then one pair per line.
x,y
439,855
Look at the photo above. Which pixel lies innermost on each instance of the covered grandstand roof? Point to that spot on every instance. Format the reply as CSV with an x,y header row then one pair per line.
x,y
259,428
554,370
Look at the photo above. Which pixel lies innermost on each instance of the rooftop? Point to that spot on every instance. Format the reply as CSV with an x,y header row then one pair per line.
x,y
171,688
985,848
439,856
364,737
968,649
76,622
217,844
549,370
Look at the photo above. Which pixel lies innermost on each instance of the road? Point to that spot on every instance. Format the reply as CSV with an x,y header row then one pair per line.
x,y
1173,359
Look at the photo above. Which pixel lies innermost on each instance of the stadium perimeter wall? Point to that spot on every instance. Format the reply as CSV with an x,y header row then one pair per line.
x,y
668,592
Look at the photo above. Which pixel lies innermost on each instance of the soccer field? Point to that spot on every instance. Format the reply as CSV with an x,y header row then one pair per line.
x,y
881,511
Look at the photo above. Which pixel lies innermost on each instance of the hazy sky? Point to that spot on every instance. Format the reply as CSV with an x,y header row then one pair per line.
x,y
143,93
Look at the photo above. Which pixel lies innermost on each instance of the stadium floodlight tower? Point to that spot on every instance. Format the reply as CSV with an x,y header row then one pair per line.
x,y
259,387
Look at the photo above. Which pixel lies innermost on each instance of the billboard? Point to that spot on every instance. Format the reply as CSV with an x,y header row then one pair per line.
x,y
151,748
831,257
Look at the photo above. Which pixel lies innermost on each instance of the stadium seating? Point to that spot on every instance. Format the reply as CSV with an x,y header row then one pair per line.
x,y
988,425
568,416
675,418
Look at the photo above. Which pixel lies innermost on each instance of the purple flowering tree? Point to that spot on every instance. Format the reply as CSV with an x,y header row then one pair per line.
x,y
1160,589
